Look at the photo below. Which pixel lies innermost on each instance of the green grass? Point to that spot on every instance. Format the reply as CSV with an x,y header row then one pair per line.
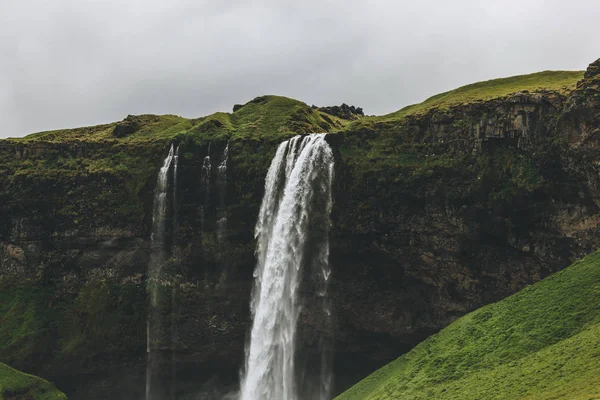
x,y
151,127
262,117
541,343
560,81
18,385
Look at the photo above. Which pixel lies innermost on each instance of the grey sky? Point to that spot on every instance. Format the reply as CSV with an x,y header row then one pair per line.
x,y
68,63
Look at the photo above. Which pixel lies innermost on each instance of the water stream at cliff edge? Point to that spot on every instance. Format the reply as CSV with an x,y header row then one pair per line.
x,y
292,240
158,255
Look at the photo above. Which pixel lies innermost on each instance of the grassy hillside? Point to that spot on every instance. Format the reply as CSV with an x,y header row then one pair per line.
x,y
17,385
260,118
541,343
561,81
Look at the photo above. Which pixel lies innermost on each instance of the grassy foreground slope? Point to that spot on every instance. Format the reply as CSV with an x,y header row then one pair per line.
x,y
18,385
541,343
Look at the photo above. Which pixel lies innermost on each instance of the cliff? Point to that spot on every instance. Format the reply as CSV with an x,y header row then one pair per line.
x,y
439,209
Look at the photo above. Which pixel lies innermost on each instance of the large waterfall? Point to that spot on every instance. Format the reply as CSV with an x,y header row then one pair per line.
x,y
292,235
158,256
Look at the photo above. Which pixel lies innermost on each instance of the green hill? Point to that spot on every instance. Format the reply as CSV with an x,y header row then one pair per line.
x,y
560,81
264,117
541,343
15,385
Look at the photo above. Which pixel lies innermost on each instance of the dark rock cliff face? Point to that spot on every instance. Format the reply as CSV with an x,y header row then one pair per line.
x,y
433,218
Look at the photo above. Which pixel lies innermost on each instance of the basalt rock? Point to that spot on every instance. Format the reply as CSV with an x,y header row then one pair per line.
x,y
344,111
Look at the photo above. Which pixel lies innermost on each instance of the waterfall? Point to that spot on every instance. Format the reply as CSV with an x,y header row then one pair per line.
x,y
174,288
292,235
175,165
159,214
205,184
222,188
154,324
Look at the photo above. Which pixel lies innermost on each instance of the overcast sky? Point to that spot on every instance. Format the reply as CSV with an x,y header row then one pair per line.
x,y
68,63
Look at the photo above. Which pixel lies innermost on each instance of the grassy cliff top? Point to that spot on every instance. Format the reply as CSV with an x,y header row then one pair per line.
x,y
18,385
277,116
262,117
559,81
541,343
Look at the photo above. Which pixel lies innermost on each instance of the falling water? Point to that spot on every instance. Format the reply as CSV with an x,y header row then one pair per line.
x,y
175,165
205,184
222,188
174,288
295,208
157,259
158,223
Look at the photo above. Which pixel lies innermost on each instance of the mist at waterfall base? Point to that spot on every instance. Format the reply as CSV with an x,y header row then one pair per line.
x,y
292,235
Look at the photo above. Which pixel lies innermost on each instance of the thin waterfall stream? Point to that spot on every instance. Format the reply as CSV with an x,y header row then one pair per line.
x,y
292,235
155,324
222,188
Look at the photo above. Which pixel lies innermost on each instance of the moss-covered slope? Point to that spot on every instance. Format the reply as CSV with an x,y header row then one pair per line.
x,y
260,118
541,343
15,385
559,81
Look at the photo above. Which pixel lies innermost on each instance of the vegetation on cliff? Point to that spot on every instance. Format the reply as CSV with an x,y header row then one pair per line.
x,y
127,153
15,385
260,118
541,343
559,81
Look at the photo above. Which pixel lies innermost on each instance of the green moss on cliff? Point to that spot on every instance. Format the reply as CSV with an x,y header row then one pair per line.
x,y
16,385
25,321
44,183
542,343
104,318
40,322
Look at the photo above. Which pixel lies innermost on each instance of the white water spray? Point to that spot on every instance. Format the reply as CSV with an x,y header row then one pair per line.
x,y
295,209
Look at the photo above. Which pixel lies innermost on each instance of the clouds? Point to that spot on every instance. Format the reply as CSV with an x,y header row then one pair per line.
x,y
67,63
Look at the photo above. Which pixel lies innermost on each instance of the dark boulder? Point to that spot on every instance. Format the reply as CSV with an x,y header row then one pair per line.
x,y
344,111
126,127
593,70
